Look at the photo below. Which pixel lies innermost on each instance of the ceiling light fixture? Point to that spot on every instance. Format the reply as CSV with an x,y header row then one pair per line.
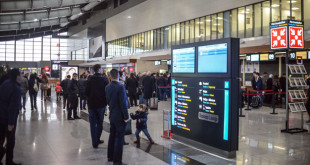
x,y
275,5
129,17
292,1
208,20
295,8
35,20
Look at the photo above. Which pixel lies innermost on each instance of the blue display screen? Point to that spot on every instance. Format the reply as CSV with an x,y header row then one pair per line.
x,y
212,58
183,60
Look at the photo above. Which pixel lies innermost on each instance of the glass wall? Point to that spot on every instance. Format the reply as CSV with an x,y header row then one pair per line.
x,y
245,21
40,49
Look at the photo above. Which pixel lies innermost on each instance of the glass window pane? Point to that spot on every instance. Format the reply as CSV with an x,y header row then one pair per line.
x,y
168,30
197,34
249,21
187,32
192,31
233,23
173,35
258,19
9,56
296,9
241,15
220,25
2,56
285,9
208,27
275,9
214,26
266,17
177,34
202,28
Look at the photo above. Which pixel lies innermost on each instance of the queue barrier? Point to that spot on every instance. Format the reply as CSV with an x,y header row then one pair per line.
x,y
261,92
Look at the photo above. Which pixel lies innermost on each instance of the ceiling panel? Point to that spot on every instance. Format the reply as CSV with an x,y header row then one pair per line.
x,y
37,4
29,25
38,16
60,13
9,26
11,18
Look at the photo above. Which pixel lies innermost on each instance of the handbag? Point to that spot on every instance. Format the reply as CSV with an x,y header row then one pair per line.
x,y
35,86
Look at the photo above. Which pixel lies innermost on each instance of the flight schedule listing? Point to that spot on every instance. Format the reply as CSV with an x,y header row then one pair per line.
x,y
183,60
181,103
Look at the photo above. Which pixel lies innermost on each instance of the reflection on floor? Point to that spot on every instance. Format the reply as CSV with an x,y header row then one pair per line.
x,y
45,137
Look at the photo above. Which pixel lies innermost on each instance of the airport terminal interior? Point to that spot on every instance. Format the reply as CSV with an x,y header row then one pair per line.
x,y
223,82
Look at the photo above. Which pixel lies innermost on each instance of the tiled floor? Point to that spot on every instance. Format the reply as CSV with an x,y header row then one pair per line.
x,y
44,137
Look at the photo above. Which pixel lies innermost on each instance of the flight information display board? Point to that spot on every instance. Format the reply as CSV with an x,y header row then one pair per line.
x,y
201,102
212,58
183,60
205,103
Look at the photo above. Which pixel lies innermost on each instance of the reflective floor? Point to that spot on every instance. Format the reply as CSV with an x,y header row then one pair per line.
x,y
45,137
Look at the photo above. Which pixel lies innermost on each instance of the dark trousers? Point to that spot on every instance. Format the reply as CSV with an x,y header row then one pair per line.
x,y
82,100
24,99
73,107
147,102
33,100
57,96
10,141
162,94
65,101
133,99
116,141
96,117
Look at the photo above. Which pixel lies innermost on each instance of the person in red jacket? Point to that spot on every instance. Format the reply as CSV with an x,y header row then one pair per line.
x,y
58,90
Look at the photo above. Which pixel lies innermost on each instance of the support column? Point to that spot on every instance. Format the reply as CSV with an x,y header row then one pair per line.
x,y
280,66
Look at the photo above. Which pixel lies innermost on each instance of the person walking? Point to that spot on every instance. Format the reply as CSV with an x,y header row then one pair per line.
x,y
73,92
97,103
141,123
44,86
148,87
58,91
64,84
118,105
132,86
162,83
10,104
82,82
23,82
33,84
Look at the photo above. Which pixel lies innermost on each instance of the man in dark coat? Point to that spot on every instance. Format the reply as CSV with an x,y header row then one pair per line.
x,y
10,103
162,82
148,84
97,103
259,86
131,86
64,85
73,92
82,86
118,105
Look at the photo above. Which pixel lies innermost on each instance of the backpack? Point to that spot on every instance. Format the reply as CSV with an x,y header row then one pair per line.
x,y
35,86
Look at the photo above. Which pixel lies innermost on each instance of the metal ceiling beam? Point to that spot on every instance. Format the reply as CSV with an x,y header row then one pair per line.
x,y
31,4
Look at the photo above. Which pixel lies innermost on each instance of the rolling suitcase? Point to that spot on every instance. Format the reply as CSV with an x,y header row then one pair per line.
x,y
153,103
255,101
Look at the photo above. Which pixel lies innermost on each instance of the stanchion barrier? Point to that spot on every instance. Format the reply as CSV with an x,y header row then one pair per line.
x,y
273,105
167,87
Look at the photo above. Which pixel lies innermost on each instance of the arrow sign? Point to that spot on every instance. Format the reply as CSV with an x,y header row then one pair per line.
x,y
292,42
299,43
283,43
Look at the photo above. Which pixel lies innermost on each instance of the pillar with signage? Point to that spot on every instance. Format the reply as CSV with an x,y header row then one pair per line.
x,y
288,36
205,89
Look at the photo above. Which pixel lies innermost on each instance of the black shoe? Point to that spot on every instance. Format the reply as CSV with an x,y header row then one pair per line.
x,y
95,147
77,117
126,143
70,118
110,159
101,141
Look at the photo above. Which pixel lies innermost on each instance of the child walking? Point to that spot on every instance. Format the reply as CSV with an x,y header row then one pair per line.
x,y
141,124
58,90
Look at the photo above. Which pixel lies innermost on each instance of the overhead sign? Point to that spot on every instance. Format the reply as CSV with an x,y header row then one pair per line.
x,y
286,34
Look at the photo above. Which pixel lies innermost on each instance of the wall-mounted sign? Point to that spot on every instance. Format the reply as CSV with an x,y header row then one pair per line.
x,y
292,55
287,34
271,57
264,57
302,54
248,58
157,63
254,57
46,68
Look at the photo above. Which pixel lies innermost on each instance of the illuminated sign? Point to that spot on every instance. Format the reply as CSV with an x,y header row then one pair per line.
x,y
264,57
47,68
292,55
157,63
254,57
248,58
271,57
287,34
302,54
183,60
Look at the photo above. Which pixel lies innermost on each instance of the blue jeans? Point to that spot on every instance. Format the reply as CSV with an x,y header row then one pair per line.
x,y
96,117
145,131
24,99
162,93
116,141
82,100
261,99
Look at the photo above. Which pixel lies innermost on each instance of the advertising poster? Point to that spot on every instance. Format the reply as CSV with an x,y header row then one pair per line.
x,y
95,47
68,70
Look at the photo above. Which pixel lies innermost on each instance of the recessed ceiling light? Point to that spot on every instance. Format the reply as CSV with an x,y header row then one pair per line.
x,y
199,22
292,1
35,20
129,17
208,20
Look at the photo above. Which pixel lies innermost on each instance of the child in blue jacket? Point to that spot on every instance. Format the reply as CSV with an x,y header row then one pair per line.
x,y
141,124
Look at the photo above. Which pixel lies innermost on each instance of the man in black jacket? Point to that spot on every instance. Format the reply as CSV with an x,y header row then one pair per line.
x,y
73,92
64,86
10,103
97,103
148,87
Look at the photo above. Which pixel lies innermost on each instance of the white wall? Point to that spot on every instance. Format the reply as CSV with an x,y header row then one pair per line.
x,y
153,14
